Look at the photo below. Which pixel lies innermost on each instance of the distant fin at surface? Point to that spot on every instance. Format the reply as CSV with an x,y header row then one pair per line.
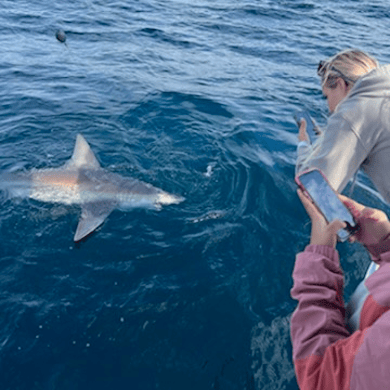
x,y
83,156
92,216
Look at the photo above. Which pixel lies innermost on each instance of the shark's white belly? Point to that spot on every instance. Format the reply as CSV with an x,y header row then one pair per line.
x,y
56,194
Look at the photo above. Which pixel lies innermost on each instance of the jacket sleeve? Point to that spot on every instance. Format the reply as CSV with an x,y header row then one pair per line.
x,y
303,150
371,363
323,349
338,153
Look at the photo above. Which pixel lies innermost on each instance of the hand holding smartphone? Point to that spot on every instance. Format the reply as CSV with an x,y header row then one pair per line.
x,y
312,129
325,198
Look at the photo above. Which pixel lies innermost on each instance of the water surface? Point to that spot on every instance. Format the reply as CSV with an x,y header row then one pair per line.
x,y
196,98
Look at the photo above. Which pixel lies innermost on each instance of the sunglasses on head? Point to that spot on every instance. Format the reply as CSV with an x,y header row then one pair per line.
x,y
323,66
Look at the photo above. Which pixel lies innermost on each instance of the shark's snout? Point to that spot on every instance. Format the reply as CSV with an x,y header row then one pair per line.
x,y
164,199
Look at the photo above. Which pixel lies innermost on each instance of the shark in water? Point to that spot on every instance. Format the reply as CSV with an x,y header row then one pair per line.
x,y
84,182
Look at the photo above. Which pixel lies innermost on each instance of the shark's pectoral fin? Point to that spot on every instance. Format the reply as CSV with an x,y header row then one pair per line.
x,y
92,216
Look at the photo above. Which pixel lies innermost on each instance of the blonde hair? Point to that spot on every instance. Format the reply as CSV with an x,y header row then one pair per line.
x,y
349,65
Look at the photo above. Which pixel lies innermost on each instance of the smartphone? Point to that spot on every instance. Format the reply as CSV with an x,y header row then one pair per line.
x,y
315,184
311,127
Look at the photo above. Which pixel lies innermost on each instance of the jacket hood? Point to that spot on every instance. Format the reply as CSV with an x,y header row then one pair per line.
x,y
375,84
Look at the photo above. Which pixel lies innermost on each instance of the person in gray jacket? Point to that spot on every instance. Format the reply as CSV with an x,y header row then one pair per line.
x,y
358,131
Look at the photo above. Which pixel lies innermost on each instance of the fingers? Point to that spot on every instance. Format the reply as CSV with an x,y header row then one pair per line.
x,y
336,225
302,131
360,211
369,214
354,207
308,205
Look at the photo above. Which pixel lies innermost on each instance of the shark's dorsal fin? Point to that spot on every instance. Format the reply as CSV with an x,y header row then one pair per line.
x,y
83,155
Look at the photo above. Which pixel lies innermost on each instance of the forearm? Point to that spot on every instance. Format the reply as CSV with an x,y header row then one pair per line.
x,y
318,320
338,153
318,323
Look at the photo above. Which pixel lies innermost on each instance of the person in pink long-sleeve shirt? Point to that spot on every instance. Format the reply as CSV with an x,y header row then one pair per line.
x,y
326,355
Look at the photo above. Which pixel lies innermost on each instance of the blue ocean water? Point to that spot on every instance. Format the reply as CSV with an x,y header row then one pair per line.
x,y
196,98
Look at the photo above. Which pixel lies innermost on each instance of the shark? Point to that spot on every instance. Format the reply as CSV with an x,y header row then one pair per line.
x,y
82,181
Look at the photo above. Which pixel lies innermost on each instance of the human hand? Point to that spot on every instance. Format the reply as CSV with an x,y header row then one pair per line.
x,y
322,232
302,136
374,224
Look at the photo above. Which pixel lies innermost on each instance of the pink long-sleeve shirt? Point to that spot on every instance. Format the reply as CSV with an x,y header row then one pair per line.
x,y
325,354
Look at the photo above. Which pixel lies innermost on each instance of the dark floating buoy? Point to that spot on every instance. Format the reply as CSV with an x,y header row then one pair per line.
x,y
61,36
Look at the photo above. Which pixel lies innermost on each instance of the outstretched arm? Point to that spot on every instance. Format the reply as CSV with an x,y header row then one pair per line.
x,y
338,153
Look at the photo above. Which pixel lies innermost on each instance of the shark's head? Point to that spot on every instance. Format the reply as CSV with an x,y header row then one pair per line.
x,y
164,199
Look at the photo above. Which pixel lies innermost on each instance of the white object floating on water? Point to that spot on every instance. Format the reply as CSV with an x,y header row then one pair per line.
x,y
209,170
208,216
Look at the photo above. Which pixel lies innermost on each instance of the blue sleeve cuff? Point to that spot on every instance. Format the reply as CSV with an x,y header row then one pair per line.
x,y
303,144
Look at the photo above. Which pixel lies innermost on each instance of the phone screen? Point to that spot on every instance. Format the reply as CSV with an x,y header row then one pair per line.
x,y
327,201
310,126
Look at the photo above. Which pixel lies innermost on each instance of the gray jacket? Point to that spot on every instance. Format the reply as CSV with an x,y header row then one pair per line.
x,y
357,135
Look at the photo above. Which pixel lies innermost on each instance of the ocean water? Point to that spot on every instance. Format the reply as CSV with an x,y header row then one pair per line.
x,y
194,97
